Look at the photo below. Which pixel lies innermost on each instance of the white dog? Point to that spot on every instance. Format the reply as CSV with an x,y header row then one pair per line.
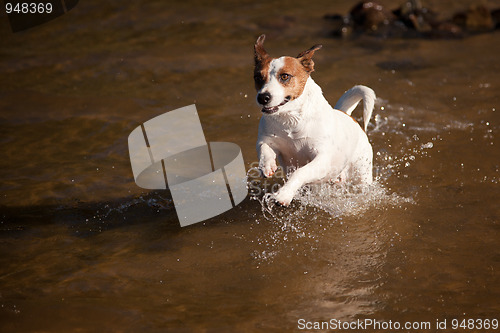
x,y
302,131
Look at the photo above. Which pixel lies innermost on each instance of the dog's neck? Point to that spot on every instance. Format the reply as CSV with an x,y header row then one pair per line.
x,y
310,101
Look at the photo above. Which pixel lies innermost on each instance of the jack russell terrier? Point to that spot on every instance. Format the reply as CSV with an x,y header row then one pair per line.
x,y
300,129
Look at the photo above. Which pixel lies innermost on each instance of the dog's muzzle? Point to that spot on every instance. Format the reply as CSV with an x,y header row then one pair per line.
x,y
273,109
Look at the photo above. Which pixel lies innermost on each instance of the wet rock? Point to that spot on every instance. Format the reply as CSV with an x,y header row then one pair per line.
x,y
366,17
415,16
411,20
477,18
495,15
370,15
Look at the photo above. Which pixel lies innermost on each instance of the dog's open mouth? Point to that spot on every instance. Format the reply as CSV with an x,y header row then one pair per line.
x,y
273,109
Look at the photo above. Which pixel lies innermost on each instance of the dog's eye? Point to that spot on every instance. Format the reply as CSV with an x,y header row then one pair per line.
x,y
285,77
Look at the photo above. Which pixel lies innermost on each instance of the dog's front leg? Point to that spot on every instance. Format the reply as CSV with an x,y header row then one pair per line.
x,y
267,160
316,170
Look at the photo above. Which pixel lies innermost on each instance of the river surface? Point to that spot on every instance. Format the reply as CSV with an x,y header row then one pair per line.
x,y
84,249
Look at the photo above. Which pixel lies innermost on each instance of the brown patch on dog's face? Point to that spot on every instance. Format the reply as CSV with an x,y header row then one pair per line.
x,y
293,76
261,73
295,72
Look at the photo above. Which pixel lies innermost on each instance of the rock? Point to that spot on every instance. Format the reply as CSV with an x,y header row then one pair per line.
x,y
412,20
476,19
370,15
495,15
415,16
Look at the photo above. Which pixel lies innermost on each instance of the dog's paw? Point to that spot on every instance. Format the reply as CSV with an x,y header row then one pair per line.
x,y
268,169
284,197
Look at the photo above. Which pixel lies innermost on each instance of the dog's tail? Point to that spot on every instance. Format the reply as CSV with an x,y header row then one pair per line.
x,y
352,97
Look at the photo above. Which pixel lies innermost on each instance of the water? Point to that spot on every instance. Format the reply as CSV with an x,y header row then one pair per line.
x,y
84,249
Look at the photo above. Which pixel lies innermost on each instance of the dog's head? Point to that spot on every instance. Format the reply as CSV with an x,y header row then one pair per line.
x,y
280,80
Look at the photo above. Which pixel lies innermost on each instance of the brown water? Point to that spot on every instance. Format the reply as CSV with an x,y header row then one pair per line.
x,y
83,249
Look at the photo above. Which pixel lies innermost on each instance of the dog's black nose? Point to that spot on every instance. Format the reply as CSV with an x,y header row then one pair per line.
x,y
264,98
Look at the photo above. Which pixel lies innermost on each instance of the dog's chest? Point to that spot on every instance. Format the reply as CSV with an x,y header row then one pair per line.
x,y
294,144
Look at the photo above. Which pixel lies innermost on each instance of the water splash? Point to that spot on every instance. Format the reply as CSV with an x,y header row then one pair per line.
x,y
337,200
349,200
314,211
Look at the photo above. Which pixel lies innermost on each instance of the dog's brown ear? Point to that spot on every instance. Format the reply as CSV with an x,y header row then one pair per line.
x,y
260,52
305,58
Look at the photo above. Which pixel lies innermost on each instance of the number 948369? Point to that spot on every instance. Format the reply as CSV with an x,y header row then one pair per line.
x,y
28,8
475,324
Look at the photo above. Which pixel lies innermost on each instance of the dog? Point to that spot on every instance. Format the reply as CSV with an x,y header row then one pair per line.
x,y
302,131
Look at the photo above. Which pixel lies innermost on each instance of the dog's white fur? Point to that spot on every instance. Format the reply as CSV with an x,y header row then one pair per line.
x,y
306,133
